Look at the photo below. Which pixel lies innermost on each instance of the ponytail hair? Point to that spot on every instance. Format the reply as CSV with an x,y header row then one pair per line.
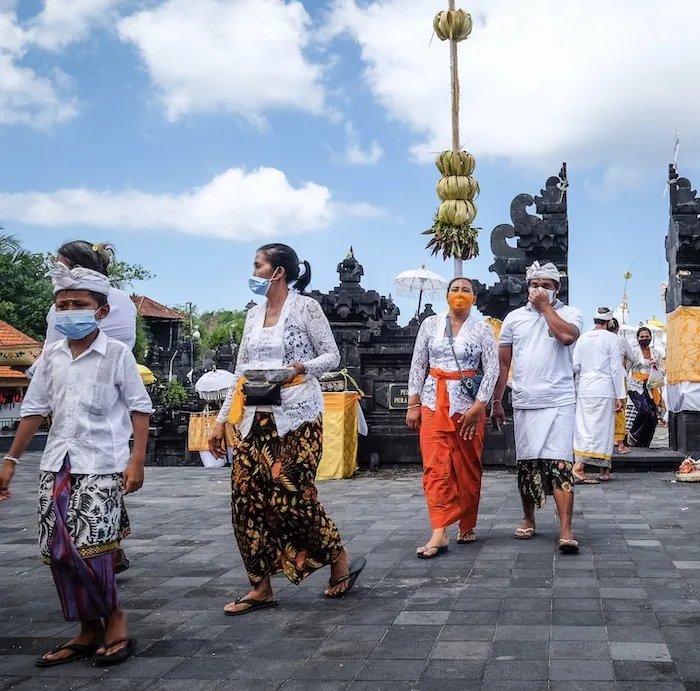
x,y
88,255
283,256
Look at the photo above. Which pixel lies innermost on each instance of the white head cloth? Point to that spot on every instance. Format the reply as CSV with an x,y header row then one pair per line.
x,y
605,315
77,278
543,271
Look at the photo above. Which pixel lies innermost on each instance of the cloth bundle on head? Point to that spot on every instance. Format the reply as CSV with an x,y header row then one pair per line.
x,y
543,271
77,278
603,314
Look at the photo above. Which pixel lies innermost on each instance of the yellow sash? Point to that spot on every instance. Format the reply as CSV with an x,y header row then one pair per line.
x,y
238,403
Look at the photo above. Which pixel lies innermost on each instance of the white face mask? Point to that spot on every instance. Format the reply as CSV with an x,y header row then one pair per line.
x,y
551,294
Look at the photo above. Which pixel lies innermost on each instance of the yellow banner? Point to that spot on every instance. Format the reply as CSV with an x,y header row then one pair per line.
x,y
683,345
340,440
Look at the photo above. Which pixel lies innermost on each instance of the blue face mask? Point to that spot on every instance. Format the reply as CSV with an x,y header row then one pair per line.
x,y
261,286
76,324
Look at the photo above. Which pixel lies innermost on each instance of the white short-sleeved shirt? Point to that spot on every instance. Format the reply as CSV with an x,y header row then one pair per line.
x,y
598,365
90,399
543,374
119,324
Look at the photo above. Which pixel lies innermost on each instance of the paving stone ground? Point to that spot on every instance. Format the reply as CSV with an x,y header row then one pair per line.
x,y
500,614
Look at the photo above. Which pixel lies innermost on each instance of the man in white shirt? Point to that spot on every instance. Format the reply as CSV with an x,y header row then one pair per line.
x,y
91,387
537,340
601,393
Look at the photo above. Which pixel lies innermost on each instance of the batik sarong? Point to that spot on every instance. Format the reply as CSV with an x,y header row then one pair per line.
x,y
451,472
594,431
79,528
544,440
279,524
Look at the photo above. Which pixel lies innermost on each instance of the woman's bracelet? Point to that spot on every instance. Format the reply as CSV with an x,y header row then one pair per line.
x,y
495,400
12,459
415,405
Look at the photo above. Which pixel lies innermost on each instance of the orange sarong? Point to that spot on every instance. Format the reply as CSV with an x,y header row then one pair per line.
x,y
443,422
451,472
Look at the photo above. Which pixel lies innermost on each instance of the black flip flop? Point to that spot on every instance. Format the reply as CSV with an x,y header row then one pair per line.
x,y
568,546
440,551
80,653
254,605
357,566
118,657
462,541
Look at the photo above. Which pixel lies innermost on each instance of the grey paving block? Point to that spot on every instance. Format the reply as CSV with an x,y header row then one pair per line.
x,y
461,650
391,670
581,650
516,670
646,671
648,652
581,670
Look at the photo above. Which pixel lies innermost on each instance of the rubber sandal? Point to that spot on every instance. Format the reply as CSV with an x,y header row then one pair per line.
x,y
357,566
462,541
254,605
568,546
439,551
524,533
118,657
584,481
80,653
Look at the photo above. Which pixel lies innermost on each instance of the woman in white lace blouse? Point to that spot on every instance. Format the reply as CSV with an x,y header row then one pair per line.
x,y
279,524
450,415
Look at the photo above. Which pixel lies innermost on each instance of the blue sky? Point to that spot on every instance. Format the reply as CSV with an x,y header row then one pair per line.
x,y
189,133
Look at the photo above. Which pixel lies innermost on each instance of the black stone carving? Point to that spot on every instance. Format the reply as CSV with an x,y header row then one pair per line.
x,y
543,237
683,254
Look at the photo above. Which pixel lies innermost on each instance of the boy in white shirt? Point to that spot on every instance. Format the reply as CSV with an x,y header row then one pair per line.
x,y
90,386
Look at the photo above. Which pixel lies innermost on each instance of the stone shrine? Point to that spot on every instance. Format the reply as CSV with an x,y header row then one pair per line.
x,y
683,254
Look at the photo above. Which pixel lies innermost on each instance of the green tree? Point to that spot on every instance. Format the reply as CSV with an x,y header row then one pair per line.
x,y
222,326
25,295
122,274
143,340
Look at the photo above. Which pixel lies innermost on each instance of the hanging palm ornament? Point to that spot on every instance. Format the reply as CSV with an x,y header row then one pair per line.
x,y
453,233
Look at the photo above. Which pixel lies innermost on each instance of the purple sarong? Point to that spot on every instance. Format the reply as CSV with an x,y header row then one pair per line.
x,y
86,586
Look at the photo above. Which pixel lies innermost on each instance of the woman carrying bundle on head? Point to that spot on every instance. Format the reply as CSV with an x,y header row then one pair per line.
x,y
447,406
275,406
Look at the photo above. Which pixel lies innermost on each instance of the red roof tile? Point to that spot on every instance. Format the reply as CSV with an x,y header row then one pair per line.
x,y
13,338
9,373
150,309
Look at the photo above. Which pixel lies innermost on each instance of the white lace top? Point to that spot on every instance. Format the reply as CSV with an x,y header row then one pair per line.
x,y
302,334
475,346
643,366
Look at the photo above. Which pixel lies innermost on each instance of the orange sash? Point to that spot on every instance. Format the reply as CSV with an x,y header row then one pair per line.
x,y
443,421
655,393
238,403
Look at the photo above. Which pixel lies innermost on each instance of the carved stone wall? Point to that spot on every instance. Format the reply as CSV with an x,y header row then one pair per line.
x,y
542,237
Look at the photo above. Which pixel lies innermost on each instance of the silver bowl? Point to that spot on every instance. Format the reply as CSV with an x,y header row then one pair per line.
x,y
273,376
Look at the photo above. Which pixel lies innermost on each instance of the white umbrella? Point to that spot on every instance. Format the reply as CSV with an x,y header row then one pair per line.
x,y
214,385
416,282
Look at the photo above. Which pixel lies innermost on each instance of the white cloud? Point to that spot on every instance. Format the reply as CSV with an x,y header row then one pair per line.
x,y
26,97
240,56
593,82
62,22
355,155
235,205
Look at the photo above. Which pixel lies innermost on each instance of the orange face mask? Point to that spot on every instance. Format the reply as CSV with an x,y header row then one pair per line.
x,y
460,302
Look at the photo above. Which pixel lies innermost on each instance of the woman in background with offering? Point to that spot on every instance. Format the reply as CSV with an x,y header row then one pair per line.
x,y
447,406
645,400
279,524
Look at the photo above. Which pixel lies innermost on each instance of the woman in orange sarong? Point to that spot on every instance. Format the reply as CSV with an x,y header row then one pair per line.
x,y
447,406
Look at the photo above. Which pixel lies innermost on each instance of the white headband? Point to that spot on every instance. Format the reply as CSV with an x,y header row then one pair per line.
x,y
77,278
543,271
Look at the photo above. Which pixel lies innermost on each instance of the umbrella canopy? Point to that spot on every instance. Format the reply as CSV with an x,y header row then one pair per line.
x,y
416,282
147,377
214,385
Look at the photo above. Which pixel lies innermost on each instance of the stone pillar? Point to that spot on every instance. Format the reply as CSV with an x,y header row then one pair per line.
x,y
683,309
